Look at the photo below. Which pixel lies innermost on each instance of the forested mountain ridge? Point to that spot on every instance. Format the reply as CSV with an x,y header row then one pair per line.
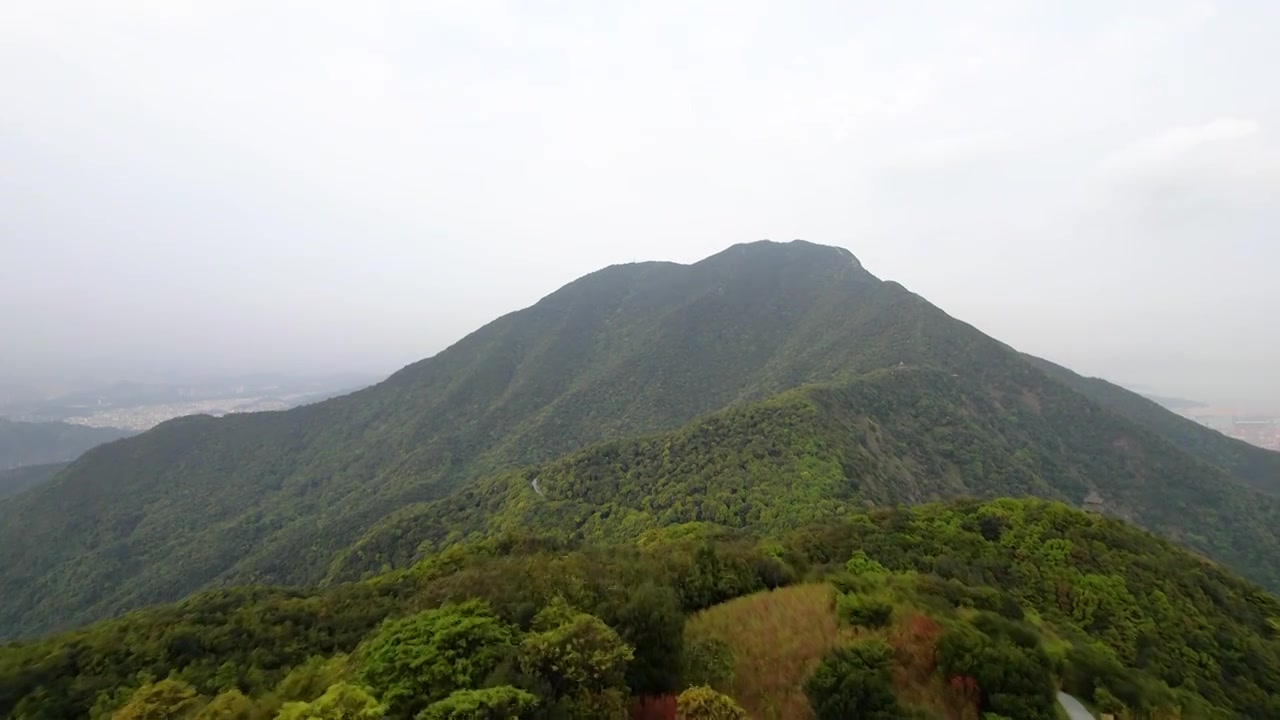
x,y
27,443
900,436
984,607
1256,466
628,351
631,349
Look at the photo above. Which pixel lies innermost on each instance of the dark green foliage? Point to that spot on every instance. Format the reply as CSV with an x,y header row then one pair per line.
x,y
853,681
1013,679
864,610
651,621
413,662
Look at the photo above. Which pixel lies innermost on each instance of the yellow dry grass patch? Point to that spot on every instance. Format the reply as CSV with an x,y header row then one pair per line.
x,y
777,638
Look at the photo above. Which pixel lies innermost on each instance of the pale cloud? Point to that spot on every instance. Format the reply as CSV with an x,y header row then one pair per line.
x,y
1180,147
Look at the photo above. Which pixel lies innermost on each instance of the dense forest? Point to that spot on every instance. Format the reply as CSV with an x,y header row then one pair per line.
x,y
896,436
771,384
964,609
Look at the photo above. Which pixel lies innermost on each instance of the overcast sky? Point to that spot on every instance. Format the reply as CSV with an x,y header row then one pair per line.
x,y
230,186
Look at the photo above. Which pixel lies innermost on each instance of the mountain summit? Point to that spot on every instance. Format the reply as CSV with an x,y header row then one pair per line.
x,y
874,383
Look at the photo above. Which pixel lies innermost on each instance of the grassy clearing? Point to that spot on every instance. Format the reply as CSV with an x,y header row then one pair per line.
x,y
776,638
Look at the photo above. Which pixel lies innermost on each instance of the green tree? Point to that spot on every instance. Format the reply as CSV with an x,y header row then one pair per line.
x,y
1014,680
168,699
493,703
703,703
651,622
340,702
853,681
867,611
229,705
572,650
418,660
311,679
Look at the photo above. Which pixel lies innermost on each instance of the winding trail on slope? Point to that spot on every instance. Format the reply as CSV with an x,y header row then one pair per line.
x,y
1075,709
537,489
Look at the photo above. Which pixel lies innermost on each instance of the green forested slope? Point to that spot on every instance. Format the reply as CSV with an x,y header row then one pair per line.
x,y
340,488
1253,465
898,436
1041,594
272,497
24,443
17,479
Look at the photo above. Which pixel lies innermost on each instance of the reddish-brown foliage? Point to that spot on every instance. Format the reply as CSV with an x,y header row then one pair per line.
x,y
915,646
654,707
963,697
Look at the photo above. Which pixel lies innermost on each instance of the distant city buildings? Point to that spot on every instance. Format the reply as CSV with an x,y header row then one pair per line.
x,y
1255,430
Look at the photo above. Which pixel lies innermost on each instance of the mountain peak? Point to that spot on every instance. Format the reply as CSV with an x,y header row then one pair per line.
x,y
795,249
802,260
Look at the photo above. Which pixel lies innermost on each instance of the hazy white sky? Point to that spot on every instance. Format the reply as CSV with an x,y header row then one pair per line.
x,y
312,186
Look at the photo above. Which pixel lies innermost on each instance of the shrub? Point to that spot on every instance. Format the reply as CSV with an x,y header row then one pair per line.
x,y
340,702
854,681
707,661
867,611
416,661
166,699
574,651
703,703
494,703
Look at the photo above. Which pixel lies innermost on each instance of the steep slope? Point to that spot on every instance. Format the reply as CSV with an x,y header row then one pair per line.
x,y
1253,465
15,480
897,436
628,351
632,349
1125,619
24,443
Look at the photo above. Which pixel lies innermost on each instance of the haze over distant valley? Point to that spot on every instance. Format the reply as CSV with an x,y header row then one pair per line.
x,y
353,188
140,406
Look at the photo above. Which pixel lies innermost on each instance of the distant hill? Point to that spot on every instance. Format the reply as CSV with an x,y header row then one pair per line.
x,y
23,443
1173,403
1255,466
15,480
833,388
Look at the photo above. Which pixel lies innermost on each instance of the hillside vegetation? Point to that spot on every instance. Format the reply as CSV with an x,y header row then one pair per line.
x,y
1253,465
940,611
26,443
855,390
15,480
892,437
